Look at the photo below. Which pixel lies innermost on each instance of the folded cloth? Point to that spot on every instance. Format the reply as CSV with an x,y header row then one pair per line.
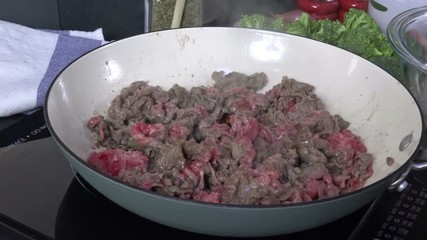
x,y
31,58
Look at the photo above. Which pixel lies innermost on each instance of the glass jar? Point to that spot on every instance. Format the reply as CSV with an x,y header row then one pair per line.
x,y
160,14
407,33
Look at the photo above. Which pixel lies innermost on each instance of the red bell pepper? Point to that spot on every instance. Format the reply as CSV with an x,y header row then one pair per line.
x,y
358,4
330,16
318,7
341,14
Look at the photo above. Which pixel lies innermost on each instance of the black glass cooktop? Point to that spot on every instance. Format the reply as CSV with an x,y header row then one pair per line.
x,y
42,198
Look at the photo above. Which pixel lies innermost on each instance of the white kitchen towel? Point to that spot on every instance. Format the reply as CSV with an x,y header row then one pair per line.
x,y
31,58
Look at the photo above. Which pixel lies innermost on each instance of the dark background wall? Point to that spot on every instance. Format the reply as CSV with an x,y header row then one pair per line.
x,y
32,13
118,18
122,18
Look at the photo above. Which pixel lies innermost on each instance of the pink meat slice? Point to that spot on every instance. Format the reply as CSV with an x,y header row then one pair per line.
x,y
113,161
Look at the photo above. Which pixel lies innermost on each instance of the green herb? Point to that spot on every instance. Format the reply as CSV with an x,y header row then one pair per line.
x,y
359,34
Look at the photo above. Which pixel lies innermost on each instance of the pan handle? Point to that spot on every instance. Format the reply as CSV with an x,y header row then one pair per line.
x,y
400,183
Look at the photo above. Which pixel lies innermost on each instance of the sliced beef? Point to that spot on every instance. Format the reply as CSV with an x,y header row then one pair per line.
x,y
253,82
113,162
228,143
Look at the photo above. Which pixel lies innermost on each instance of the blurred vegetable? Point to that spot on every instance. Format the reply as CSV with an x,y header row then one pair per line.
x,y
365,42
341,15
363,36
330,16
260,21
345,5
330,9
358,33
290,16
390,64
322,30
319,7
358,4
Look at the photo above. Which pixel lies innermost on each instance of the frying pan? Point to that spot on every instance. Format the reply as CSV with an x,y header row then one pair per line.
x,y
378,107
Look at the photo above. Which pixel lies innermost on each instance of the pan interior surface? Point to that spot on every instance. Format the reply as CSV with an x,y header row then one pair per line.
x,y
378,107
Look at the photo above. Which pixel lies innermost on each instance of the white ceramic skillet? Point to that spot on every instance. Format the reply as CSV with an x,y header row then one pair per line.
x,y
379,108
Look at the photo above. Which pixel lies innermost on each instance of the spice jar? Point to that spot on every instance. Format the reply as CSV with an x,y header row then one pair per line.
x,y
161,14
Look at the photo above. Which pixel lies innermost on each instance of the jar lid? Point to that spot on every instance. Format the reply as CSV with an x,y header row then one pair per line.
x,y
407,33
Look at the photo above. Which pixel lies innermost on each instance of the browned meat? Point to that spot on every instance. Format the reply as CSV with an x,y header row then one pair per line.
x,y
229,144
